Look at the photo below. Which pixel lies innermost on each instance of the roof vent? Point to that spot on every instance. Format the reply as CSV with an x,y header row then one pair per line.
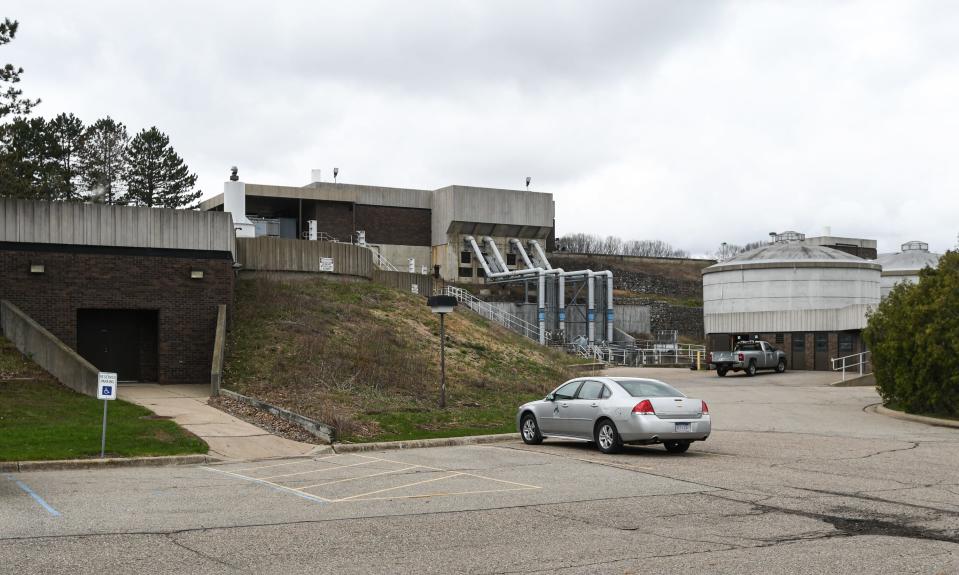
x,y
789,236
315,176
915,247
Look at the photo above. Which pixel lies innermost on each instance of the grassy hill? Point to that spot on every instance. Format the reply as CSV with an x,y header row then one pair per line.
x,y
365,358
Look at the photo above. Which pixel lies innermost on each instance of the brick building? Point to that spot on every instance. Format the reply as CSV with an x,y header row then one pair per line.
x,y
133,290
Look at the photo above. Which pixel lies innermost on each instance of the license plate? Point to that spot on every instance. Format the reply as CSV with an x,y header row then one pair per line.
x,y
682,428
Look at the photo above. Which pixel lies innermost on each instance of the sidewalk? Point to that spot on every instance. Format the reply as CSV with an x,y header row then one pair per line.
x,y
227,436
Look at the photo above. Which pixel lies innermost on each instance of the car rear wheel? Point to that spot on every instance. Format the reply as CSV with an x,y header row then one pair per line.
x,y
676,446
781,366
530,430
607,437
751,368
721,371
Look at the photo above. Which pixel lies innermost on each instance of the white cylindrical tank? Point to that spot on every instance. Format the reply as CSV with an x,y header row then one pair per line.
x,y
905,265
789,286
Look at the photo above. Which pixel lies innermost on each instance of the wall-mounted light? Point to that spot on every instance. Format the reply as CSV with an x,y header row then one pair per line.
x,y
196,274
37,268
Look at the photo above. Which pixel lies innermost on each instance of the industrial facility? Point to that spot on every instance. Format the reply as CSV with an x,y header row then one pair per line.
x,y
809,299
904,266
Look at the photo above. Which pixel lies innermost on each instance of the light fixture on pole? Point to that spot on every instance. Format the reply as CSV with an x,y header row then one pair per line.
x,y
528,179
336,172
442,304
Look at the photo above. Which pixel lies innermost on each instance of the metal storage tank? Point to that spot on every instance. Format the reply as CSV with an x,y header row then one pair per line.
x,y
905,265
811,301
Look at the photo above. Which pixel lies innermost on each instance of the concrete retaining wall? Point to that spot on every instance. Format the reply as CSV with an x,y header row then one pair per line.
x,y
47,351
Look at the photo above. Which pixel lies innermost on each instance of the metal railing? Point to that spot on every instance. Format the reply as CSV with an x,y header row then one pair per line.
x,y
860,362
492,313
639,354
381,261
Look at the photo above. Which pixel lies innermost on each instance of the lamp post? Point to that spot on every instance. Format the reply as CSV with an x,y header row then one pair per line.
x,y
442,304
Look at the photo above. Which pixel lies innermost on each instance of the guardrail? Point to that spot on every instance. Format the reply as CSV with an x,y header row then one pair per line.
x,y
860,362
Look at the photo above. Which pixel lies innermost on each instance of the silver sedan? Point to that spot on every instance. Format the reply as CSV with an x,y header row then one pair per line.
x,y
612,411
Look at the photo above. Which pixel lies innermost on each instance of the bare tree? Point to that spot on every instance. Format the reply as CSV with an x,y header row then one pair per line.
x,y
613,245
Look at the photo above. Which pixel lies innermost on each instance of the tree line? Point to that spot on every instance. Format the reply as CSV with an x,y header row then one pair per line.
x,y
615,246
61,159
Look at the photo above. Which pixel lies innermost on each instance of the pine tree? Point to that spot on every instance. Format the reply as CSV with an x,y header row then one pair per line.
x,y
155,174
66,139
11,99
26,168
102,157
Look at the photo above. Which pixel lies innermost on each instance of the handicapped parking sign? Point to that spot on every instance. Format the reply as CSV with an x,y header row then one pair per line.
x,y
106,385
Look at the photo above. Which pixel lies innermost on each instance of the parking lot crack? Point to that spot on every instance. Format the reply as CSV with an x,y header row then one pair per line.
x,y
172,538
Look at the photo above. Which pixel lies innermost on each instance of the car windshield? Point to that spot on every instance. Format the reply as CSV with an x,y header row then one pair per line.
x,y
648,388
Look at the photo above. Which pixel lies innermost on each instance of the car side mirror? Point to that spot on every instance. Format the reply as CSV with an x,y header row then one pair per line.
x,y
550,397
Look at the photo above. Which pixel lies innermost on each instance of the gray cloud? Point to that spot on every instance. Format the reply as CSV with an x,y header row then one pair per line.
x,y
646,119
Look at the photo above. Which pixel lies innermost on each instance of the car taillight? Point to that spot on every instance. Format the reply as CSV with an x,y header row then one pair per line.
x,y
644,407
705,409
710,357
742,357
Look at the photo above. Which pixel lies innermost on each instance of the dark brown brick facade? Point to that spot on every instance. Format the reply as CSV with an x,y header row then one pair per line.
x,y
81,277
392,225
806,359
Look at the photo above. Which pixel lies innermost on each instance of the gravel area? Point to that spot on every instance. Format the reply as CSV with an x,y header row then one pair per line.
x,y
264,420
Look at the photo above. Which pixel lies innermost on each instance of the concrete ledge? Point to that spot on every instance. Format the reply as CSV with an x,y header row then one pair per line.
x,y
868,380
917,418
321,430
420,443
67,464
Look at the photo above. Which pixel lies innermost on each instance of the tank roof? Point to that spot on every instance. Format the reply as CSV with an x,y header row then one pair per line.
x,y
791,254
913,257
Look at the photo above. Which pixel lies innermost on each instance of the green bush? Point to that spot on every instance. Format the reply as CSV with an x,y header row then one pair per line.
x,y
914,338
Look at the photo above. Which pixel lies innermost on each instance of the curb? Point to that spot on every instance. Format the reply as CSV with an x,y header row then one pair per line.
x,y
419,443
71,464
917,418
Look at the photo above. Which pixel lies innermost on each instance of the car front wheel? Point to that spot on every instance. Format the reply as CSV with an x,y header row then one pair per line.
x,y
607,437
530,430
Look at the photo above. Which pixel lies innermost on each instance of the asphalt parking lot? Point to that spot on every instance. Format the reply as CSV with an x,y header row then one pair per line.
x,y
798,477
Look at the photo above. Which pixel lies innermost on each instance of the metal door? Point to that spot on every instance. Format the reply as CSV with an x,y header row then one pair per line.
x,y
582,411
822,351
119,341
557,420
798,351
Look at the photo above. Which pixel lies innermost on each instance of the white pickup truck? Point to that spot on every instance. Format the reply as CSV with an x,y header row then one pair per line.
x,y
748,356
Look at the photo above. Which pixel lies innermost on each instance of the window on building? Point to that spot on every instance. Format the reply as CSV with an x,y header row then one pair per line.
x,y
511,259
780,338
845,344
466,272
822,343
466,258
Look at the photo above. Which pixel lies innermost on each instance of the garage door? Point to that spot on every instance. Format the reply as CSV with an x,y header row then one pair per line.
x,y
123,341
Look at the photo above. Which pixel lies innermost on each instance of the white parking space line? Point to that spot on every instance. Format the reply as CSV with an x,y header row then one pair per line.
x,y
335,466
401,462
398,487
286,463
357,478
438,494
297,492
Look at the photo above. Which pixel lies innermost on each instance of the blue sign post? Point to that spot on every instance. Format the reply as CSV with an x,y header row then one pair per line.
x,y
107,391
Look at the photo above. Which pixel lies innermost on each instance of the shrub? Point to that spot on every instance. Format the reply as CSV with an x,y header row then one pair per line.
x,y
914,338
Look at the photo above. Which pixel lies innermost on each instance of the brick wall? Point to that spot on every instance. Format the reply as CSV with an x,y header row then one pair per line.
x,y
393,225
83,277
334,218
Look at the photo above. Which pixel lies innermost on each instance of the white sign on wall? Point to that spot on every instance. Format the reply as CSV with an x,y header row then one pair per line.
x,y
326,264
106,385
415,288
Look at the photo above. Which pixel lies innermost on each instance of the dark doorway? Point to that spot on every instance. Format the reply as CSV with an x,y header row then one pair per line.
x,y
798,351
123,341
822,352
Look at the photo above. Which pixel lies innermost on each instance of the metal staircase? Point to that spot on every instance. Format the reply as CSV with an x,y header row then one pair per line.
x,y
507,320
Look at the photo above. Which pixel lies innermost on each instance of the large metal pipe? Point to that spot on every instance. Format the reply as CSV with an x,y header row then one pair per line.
x,y
609,306
522,252
541,306
538,250
479,254
498,259
590,309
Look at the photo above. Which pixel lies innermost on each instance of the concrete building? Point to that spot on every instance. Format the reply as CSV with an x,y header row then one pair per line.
x,y
905,265
133,290
407,227
809,300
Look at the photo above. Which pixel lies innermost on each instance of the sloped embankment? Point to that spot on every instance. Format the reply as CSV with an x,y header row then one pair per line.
x,y
365,359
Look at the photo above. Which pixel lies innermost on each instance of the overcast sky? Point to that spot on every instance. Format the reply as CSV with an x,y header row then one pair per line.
x,y
690,122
